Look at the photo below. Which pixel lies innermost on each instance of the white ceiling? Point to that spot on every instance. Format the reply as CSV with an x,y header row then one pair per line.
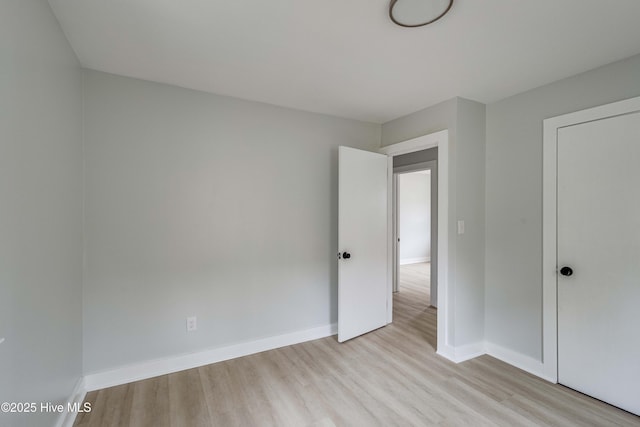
x,y
346,58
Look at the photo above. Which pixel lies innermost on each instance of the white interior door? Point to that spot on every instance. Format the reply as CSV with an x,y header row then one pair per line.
x,y
598,212
362,242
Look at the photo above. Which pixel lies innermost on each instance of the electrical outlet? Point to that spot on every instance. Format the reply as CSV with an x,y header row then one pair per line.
x,y
192,324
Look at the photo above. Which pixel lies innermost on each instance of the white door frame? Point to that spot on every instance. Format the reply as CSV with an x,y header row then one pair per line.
x,y
549,220
440,140
432,167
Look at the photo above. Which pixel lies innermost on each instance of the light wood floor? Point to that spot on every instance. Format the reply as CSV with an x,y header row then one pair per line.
x,y
389,377
416,278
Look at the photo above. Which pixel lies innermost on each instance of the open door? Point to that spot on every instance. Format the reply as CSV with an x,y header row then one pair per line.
x,y
362,242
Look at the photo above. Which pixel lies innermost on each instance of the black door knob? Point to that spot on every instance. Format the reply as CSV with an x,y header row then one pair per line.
x,y
346,255
566,271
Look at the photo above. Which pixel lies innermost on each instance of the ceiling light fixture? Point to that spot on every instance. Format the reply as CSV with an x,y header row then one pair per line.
x,y
416,13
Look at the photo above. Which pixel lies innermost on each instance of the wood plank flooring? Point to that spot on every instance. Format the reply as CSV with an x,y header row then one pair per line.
x,y
416,278
389,377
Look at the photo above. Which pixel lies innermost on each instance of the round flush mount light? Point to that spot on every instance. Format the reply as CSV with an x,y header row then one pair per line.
x,y
416,13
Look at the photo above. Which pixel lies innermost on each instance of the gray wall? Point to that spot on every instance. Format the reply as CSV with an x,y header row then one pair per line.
x,y
514,196
414,219
40,210
465,121
204,205
470,207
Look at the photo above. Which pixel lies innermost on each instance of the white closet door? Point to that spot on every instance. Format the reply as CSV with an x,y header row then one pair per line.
x,y
599,259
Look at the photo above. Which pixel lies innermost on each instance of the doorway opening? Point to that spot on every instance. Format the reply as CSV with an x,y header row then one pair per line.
x,y
415,233
407,156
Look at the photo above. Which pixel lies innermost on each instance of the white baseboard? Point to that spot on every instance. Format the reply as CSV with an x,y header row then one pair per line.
x,y
519,360
66,419
414,260
154,368
462,353
447,352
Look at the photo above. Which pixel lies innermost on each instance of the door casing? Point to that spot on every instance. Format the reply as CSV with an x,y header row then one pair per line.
x,y
441,140
549,221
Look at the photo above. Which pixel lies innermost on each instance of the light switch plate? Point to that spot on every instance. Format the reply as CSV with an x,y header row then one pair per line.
x,y
460,226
